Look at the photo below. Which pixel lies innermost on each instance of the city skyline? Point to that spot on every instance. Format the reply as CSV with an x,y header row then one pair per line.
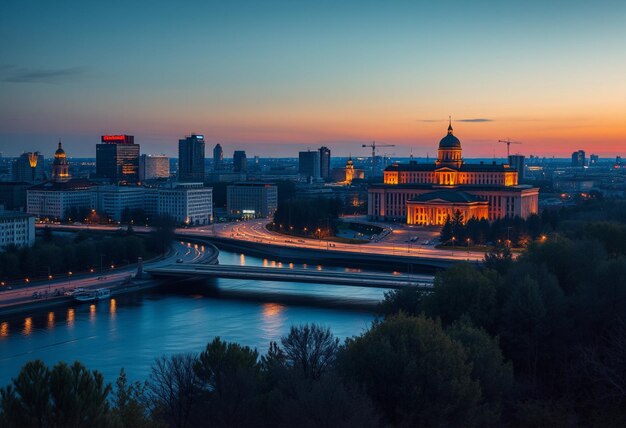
x,y
278,77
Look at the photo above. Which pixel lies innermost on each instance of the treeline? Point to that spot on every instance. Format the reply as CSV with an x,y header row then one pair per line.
x,y
558,313
52,255
403,372
512,230
304,216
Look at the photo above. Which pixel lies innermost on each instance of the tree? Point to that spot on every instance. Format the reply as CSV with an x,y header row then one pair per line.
x,y
414,373
130,408
446,231
499,259
26,401
463,290
66,396
489,367
229,379
172,389
310,349
408,300
79,396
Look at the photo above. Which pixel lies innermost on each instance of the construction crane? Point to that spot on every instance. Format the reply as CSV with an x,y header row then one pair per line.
x,y
374,146
508,143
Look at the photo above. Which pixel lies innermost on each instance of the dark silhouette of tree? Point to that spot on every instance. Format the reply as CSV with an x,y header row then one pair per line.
x,y
66,396
229,377
414,372
172,389
129,404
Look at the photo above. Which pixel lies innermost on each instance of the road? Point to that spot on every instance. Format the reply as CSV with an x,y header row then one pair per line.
x,y
23,293
392,244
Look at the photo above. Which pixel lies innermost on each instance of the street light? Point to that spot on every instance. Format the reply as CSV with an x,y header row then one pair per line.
x,y
69,279
468,243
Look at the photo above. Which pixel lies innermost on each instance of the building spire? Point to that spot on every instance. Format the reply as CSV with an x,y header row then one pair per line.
x,y
449,124
59,143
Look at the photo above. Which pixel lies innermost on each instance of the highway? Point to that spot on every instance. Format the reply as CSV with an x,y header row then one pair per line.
x,y
24,292
255,231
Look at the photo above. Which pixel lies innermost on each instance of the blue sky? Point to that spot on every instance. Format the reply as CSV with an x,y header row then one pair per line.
x,y
278,76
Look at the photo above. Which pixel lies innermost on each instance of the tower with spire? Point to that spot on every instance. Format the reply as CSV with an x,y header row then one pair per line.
x,y
60,168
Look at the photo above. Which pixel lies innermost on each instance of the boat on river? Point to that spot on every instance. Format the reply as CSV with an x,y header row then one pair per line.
x,y
91,295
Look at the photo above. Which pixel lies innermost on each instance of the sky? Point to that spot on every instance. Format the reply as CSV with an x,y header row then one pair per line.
x,y
276,77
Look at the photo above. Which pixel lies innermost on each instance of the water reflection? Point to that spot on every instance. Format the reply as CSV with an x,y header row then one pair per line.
x,y
4,329
50,320
242,259
28,326
112,307
92,312
70,317
271,310
273,320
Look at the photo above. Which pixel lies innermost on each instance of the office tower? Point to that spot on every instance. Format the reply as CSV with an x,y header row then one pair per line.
x,y
309,165
324,162
153,166
218,157
240,163
593,160
117,158
29,168
191,158
60,168
578,158
517,163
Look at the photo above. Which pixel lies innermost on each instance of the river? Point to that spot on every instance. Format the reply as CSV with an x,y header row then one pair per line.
x,y
131,331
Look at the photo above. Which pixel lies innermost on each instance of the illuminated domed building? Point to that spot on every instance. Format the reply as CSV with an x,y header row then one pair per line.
x,y
60,168
428,193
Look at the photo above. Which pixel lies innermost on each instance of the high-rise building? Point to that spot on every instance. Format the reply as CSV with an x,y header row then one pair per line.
x,y
29,168
578,158
218,157
593,160
117,158
309,165
153,166
324,162
191,158
60,168
517,163
240,163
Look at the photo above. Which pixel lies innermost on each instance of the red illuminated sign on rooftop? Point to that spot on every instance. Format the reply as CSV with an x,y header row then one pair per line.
x,y
120,139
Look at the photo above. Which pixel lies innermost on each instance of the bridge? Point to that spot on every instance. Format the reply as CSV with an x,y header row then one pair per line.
x,y
356,279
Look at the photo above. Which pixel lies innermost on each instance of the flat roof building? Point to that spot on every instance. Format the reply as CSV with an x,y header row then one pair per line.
x,y
251,200
117,159
16,229
191,158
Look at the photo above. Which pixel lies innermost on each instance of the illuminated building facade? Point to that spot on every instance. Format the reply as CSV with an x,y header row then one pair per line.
x,y
117,158
427,193
348,173
153,167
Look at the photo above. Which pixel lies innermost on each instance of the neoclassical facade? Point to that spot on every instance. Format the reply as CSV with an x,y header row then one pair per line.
x,y
428,193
